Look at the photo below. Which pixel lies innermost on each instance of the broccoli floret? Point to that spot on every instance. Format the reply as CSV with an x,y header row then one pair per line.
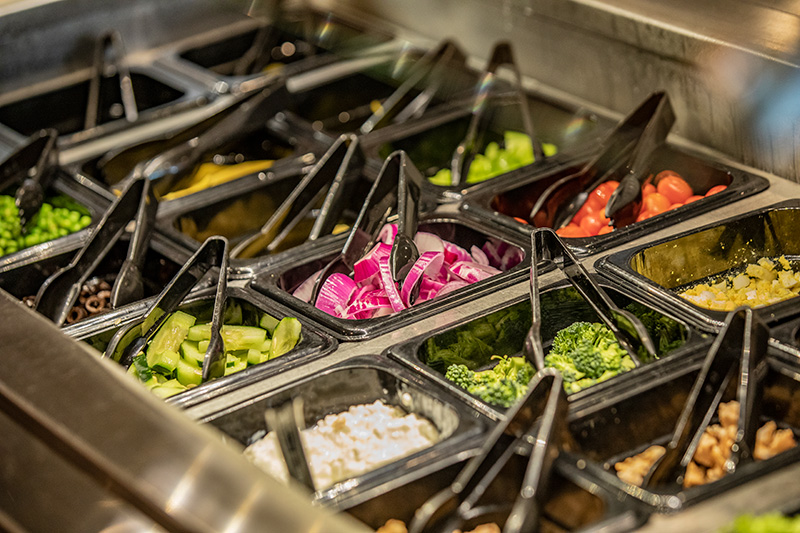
x,y
503,391
667,334
460,375
585,354
500,385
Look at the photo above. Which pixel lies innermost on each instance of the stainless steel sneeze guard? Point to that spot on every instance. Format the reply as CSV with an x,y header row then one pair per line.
x,y
103,465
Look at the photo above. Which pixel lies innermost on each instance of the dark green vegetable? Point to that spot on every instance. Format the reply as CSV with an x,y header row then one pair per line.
x,y
667,334
48,224
474,344
766,523
587,353
500,385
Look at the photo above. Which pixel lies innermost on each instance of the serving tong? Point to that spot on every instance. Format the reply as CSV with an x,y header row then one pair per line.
x,y
502,55
538,421
629,145
129,341
60,291
398,185
110,44
629,331
33,165
433,66
327,177
253,112
285,421
739,352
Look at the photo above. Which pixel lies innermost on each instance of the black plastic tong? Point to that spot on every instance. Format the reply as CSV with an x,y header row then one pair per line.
x,y
615,153
431,66
129,341
545,401
467,148
739,352
397,186
59,292
33,166
327,174
631,334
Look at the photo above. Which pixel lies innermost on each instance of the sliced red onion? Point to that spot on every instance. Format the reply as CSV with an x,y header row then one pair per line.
x,y
305,290
365,304
388,233
472,272
490,250
511,258
383,311
367,266
388,285
453,253
450,287
428,263
335,293
479,256
428,242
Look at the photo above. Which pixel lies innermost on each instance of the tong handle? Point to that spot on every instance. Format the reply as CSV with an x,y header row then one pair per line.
x,y
35,156
629,330
283,420
533,349
382,198
427,66
329,172
212,253
653,136
59,292
741,345
499,446
110,42
501,55
128,286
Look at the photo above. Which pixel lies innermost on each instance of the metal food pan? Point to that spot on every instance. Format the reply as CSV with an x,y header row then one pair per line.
x,y
61,103
162,261
284,146
362,380
613,429
572,503
313,344
94,205
237,211
661,268
516,197
278,280
501,330
431,140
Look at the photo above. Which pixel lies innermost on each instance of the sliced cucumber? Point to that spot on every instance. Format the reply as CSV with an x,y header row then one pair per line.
x,y
235,363
164,362
191,352
171,334
189,373
168,388
268,322
200,332
234,337
286,337
255,357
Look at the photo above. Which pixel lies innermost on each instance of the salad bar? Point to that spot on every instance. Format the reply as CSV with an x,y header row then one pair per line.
x,y
306,250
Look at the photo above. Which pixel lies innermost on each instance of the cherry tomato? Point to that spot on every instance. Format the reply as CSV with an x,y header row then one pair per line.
x,y
674,188
716,189
605,229
572,231
600,195
674,206
585,210
591,223
644,215
693,199
666,174
648,189
656,203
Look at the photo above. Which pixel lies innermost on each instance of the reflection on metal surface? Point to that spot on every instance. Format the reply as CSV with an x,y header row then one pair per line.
x,y
117,447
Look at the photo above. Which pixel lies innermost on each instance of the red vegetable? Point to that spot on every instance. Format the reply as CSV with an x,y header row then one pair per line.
x,y
716,189
673,187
